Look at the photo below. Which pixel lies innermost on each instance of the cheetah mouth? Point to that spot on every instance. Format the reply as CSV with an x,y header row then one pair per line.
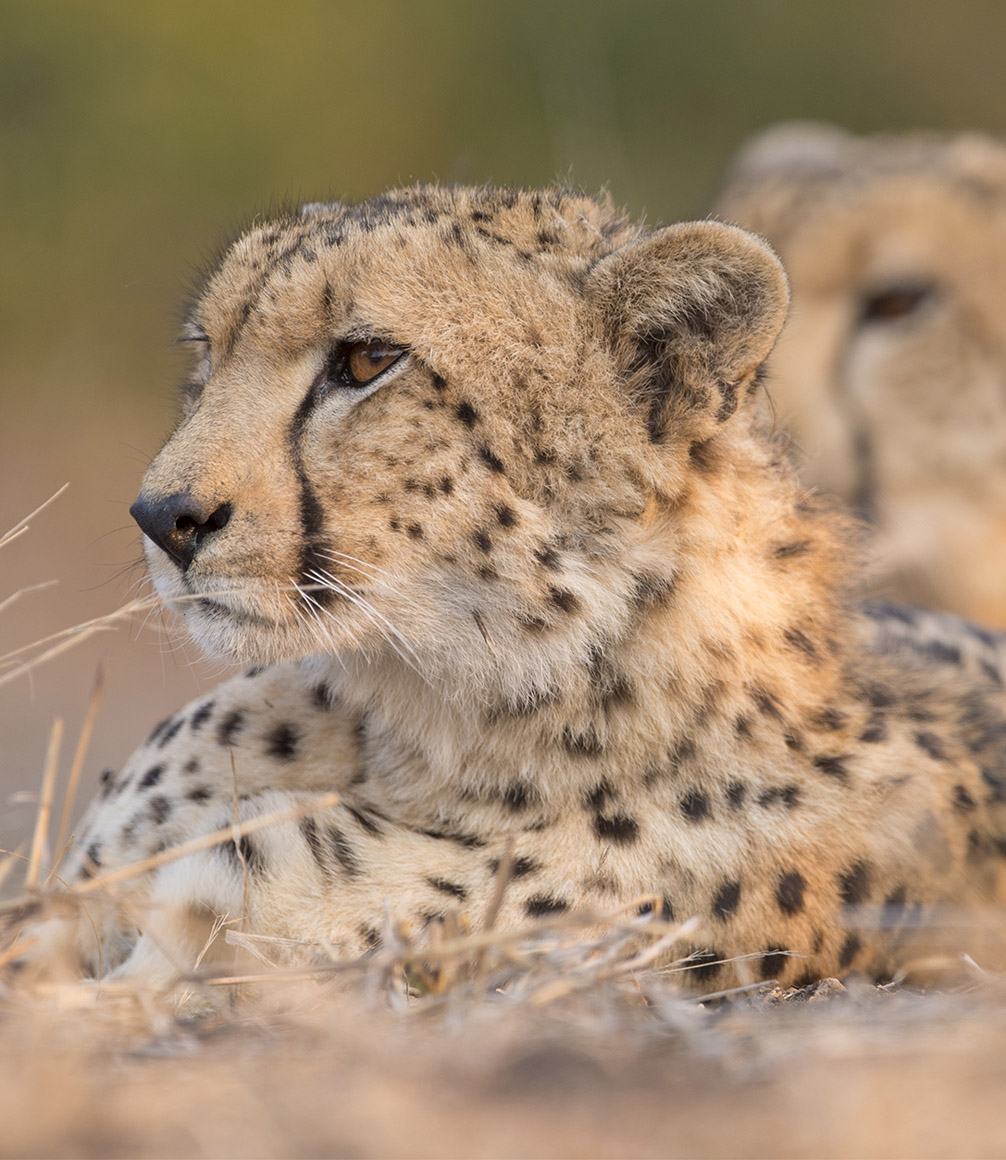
x,y
217,609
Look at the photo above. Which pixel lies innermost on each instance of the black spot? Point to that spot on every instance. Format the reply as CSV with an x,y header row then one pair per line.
x,y
831,719
850,948
244,855
585,744
727,899
201,716
446,485
772,963
200,794
151,777
158,730
506,516
170,733
795,548
107,781
936,650
451,888
621,830
519,867
93,855
160,809
415,531
794,741
789,892
800,641
548,558
541,904
705,456
519,795
875,731
482,541
879,697
932,745
439,382
342,851
704,965
230,726
309,828
467,840
832,766
322,696
695,806
491,460
467,414
767,703
650,590
600,795
742,727
564,599
962,799
281,742
787,795
365,820
736,792
854,884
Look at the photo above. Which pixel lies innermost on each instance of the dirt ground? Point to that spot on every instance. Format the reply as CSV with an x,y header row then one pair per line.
x,y
626,1071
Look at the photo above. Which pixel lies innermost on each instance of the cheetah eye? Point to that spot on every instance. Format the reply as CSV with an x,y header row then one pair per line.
x,y
894,302
355,364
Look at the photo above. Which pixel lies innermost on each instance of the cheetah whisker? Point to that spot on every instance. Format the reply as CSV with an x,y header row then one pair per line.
x,y
327,580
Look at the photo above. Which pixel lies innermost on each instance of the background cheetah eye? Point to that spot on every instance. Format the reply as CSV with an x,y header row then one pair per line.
x,y
893,302
358,363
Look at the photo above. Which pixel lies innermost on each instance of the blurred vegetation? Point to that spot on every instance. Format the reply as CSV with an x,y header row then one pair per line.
x,y
137,135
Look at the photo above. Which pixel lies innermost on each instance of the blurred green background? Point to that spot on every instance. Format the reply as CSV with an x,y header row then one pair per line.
x,y
136,135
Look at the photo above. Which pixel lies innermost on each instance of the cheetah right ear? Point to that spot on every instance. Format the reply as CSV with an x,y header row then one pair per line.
x,y
692,312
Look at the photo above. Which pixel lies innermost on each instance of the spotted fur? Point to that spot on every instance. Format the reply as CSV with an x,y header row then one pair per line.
x,y
549,594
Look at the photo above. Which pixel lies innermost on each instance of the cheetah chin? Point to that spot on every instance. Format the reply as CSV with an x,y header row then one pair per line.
x,y
496,461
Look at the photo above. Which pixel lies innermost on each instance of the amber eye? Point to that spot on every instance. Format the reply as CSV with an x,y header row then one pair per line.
x,y
894,302
364,361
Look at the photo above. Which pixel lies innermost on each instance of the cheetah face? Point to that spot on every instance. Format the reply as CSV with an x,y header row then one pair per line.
x,y
440,413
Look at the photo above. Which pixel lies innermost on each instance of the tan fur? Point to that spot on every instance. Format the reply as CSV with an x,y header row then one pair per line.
x,y
903,416
583,607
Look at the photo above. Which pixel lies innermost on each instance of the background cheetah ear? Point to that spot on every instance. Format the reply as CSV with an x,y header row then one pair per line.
x,y
794,149
692,311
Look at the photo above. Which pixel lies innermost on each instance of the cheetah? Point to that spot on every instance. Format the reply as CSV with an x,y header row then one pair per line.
x,y
891,371
479,484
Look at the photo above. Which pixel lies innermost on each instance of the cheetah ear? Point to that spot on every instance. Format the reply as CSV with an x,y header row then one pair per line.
x,y
691,312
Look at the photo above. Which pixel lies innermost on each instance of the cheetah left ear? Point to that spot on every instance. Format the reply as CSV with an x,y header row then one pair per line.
x,y
692,312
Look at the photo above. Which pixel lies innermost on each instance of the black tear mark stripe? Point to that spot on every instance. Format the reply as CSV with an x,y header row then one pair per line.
x,y
312,516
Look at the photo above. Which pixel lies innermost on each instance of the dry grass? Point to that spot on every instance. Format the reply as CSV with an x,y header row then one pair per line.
x,y
569,1039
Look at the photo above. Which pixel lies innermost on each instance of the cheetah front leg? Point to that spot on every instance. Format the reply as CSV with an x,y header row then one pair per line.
x,y
325,877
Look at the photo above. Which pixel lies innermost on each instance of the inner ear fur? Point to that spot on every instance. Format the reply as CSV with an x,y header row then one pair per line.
x,y
691,312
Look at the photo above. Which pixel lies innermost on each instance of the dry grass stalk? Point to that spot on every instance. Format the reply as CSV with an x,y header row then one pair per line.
x,y
44,814
76,768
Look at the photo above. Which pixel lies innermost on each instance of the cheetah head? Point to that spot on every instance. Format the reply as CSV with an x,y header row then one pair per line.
x,y
441,417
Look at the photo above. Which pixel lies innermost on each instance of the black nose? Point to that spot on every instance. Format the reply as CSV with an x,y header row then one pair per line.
x,y
178,524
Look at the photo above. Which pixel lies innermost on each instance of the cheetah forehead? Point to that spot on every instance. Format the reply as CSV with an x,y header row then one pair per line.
x,y
333,247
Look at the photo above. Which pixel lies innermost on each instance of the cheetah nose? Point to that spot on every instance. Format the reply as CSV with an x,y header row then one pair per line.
x,y
178,523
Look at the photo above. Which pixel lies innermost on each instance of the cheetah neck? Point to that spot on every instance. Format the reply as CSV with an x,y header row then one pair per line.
x,y
709,636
